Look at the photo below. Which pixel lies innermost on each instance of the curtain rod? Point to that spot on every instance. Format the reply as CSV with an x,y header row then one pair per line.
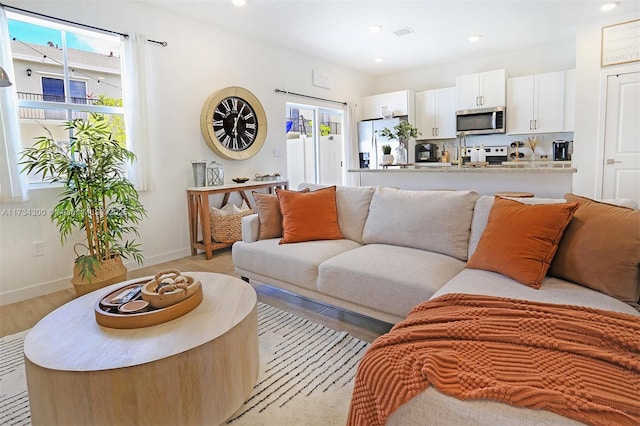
x,y
310,97
162,43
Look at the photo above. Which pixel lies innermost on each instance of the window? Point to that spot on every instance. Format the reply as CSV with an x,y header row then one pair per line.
x,y
62,73
314,145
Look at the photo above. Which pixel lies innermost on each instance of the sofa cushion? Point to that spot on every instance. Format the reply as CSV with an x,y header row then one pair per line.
x,y
438,221
391,279
295,263
600,249
268,209
483,208
552,290
520,240
308,216
353,208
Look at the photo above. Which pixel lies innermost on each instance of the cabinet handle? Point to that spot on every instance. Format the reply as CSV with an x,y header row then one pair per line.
x,y
433,133
612,161
535,124
477,101
530,124
481,100
437,131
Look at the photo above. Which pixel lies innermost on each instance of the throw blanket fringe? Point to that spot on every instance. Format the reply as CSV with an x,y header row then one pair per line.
x,y
579,362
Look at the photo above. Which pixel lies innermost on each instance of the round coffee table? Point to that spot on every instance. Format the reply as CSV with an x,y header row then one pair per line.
x,y
196,369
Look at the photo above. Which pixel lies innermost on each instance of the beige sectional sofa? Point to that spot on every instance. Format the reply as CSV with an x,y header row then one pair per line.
x,y
401,248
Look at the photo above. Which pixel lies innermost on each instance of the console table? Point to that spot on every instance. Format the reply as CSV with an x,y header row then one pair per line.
x,y
199,219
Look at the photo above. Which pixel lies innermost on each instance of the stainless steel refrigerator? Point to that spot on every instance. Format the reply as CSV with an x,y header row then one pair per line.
x,y
370,143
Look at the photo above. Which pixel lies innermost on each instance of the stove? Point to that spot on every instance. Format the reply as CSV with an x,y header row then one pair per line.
x,y
495,154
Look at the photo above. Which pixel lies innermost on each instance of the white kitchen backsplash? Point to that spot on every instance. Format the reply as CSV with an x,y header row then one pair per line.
x,y
544,146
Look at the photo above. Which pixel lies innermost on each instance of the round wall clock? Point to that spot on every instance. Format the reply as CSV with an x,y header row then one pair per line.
x,y
233,123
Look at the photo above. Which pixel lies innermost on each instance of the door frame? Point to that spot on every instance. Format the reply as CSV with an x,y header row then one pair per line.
x,y
600,148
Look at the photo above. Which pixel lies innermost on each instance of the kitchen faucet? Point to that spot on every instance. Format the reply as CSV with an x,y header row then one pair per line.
x,y
462,148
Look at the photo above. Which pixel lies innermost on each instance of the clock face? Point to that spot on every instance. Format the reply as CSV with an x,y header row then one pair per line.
x,y
233,123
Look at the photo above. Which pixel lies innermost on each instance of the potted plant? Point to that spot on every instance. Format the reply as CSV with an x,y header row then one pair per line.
x,y
97,198
387,157
401,132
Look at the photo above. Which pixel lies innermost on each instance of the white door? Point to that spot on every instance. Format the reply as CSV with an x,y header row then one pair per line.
x,y
621,178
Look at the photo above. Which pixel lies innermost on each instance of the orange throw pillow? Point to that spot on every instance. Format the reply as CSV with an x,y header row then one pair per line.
x,y
600,249
309,216
268,209
520,240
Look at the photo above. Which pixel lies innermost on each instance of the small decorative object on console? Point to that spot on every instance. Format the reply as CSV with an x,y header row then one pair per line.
x,y
215,174
240,180
275,176
168,287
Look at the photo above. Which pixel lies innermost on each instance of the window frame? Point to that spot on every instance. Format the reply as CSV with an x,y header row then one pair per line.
x,y
71,109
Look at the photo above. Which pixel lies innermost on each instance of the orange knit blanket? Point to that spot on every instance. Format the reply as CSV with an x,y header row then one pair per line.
x,y
579,362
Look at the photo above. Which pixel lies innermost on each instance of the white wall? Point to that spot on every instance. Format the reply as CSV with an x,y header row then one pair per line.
x,y
590,93
199,60
556,57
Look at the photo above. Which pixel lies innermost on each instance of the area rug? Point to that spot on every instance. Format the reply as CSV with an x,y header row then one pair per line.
x,y
306,374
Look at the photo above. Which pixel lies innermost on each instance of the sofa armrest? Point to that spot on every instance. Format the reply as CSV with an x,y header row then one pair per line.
x,y
250,228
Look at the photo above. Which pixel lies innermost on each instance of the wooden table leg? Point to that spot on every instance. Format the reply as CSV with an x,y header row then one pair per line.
x,y
193,222
205,220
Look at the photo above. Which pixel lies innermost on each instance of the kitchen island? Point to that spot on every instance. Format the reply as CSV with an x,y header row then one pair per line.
x,y
550,181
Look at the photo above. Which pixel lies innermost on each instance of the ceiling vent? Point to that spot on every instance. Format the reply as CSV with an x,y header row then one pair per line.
x,y
403,31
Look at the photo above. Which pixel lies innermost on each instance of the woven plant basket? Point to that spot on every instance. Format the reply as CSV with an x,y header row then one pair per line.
x,y
227,229
109,272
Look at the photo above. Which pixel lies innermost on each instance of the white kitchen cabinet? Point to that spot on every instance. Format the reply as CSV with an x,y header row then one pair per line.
x,y
436,113
569,100
481,90
535,103
398,104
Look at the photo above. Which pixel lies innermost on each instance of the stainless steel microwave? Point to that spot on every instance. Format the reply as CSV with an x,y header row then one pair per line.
x,y
481,121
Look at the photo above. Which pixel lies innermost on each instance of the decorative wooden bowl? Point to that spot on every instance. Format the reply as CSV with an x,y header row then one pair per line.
x,y
108,315
178,287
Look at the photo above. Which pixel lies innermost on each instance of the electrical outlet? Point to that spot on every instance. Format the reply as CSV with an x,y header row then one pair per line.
x,y
277,152
38,248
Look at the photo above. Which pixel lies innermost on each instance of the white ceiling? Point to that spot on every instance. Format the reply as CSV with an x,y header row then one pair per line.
x,y
338,30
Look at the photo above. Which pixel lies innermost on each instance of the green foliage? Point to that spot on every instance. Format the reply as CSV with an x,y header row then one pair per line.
x,y
324,130
386,149
401,131
115,121
97,196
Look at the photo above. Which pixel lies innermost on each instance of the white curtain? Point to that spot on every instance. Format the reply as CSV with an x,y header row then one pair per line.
x,y
13,185
136,102
351,146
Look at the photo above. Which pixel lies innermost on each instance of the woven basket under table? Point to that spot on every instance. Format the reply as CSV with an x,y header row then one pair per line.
x,y
227,229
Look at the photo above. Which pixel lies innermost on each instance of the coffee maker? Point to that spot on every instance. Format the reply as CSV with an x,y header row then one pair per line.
x,y
562,150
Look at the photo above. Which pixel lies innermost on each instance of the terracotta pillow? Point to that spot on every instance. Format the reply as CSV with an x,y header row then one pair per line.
x,y
600,249
309,216
268,209
520,240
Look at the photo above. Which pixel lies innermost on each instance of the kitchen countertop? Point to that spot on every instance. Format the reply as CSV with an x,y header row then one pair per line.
x,y
519,168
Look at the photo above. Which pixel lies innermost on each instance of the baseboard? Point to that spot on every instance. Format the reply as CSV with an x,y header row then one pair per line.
x,y
37,290
64,283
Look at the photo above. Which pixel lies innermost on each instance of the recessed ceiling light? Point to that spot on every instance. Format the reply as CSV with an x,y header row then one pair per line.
x,y
475,38
379,60
239,3
375,28
607,7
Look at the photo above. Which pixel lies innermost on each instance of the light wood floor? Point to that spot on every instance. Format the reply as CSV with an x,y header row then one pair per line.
x,y
23,315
